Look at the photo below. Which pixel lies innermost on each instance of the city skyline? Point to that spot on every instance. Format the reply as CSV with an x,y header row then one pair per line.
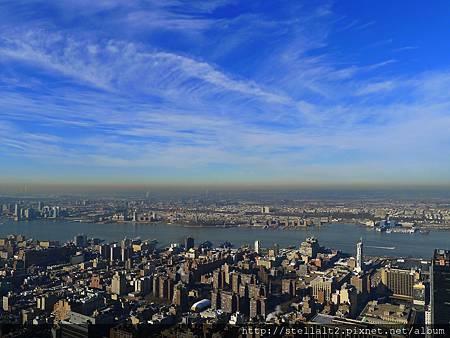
x,y
224,92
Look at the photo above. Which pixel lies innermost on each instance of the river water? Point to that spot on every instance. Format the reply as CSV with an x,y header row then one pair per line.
x,y
337,236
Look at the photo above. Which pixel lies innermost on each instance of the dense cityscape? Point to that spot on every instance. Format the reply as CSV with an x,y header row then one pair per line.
x,y
413,215
132,286
223,168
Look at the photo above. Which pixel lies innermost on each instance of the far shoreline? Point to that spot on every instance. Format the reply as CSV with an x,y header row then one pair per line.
x,y
428,227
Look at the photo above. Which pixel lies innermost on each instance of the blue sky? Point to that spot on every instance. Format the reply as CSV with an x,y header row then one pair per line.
x,y
224,91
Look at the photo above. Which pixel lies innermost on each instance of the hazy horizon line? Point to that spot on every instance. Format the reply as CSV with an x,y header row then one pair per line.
x,y
228,184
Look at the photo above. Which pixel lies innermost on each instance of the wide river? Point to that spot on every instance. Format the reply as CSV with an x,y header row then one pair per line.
x,y
338,236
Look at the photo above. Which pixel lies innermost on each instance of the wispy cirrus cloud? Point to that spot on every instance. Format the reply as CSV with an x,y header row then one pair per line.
x,y
373,88
113,65
243,91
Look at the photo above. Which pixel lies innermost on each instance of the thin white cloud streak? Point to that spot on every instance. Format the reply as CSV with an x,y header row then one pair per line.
x,y
126,63
373,88
405,48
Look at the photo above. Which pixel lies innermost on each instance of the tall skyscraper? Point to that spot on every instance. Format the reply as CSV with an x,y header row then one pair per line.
x,y
440,284
143,285
359,256
80,240
119,284
188,243
125,253
115,252
180,297
17,212
257,246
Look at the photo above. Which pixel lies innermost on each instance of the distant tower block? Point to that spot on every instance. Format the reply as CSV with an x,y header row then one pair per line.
x,y
266,210
359,256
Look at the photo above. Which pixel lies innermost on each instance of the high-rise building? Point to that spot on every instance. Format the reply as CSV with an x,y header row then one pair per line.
x,y
276,249
155,285
28,214
17,212
96,282
400,282
165,287
323,287
80,240
257,247
8,301
180,297
288,286
188,243
119,284
440,286
6,208
125,243
266,210
310,247
228,301
115,253
235,281
359,256
218,279
362,283
420,294
143,285
125,253
105,251
349,295
46,302
215,299
258,307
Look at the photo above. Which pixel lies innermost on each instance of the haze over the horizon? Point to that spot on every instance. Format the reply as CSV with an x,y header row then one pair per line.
x,y
230,191
224,91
